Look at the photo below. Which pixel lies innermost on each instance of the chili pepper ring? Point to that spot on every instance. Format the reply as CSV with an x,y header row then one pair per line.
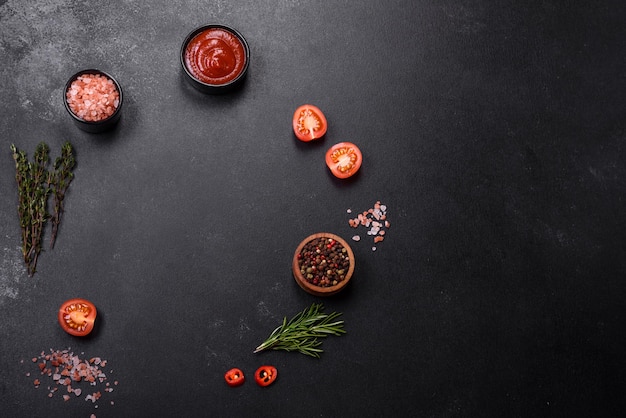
x,y
234,377
265,375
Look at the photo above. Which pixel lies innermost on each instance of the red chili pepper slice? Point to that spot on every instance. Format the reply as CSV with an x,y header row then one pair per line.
x,y
265,375
234,377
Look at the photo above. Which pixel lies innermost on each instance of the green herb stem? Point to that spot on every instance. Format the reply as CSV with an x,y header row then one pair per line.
x,y
34,185
304,331
60,180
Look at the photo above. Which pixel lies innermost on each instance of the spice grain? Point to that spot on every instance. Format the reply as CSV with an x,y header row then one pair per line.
x,y
324,262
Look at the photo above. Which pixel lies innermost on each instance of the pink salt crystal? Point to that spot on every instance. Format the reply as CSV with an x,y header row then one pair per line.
x,y
82,99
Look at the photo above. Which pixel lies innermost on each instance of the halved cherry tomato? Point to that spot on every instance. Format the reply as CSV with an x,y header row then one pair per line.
x,y
265,375
234,377
309,123
344,159
77,317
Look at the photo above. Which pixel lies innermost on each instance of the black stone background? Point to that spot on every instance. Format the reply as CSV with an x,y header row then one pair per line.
x,y
493,131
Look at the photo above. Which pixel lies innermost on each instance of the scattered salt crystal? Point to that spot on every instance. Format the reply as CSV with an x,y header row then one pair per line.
x,y
375,219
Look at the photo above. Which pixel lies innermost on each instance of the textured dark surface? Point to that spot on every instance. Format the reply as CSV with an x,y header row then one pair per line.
x,y
493,131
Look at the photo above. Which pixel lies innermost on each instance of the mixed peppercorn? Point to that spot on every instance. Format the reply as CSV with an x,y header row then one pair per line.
x,y
324,262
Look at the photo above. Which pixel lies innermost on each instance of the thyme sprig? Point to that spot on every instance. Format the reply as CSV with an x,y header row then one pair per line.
x,y
34,185
60,181
304,331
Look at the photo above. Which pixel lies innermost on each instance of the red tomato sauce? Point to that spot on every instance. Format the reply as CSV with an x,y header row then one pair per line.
x,y
215,56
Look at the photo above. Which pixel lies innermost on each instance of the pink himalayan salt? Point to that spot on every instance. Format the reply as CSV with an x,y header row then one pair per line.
x,y
93,97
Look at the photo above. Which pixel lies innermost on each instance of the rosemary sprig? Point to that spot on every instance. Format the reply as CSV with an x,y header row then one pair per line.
x,y
303,332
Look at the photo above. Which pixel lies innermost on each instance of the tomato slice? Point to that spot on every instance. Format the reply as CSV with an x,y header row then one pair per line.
x,y
344,159
77,317
309,123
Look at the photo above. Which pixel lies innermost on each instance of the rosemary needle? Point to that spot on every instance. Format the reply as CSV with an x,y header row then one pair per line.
x,y
304,331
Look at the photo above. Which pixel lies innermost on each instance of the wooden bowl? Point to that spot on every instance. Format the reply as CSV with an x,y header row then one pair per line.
x,y
316,289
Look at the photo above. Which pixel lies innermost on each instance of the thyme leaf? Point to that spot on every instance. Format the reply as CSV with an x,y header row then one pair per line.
x,y
303,332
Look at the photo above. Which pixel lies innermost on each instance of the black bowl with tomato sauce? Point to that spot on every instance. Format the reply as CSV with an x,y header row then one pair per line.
x,y
215,58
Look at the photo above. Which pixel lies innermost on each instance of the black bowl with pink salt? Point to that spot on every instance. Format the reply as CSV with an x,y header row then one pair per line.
x,y
94,100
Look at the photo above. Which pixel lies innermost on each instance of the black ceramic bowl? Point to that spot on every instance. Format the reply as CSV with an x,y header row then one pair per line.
x,y
215,58
101,124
